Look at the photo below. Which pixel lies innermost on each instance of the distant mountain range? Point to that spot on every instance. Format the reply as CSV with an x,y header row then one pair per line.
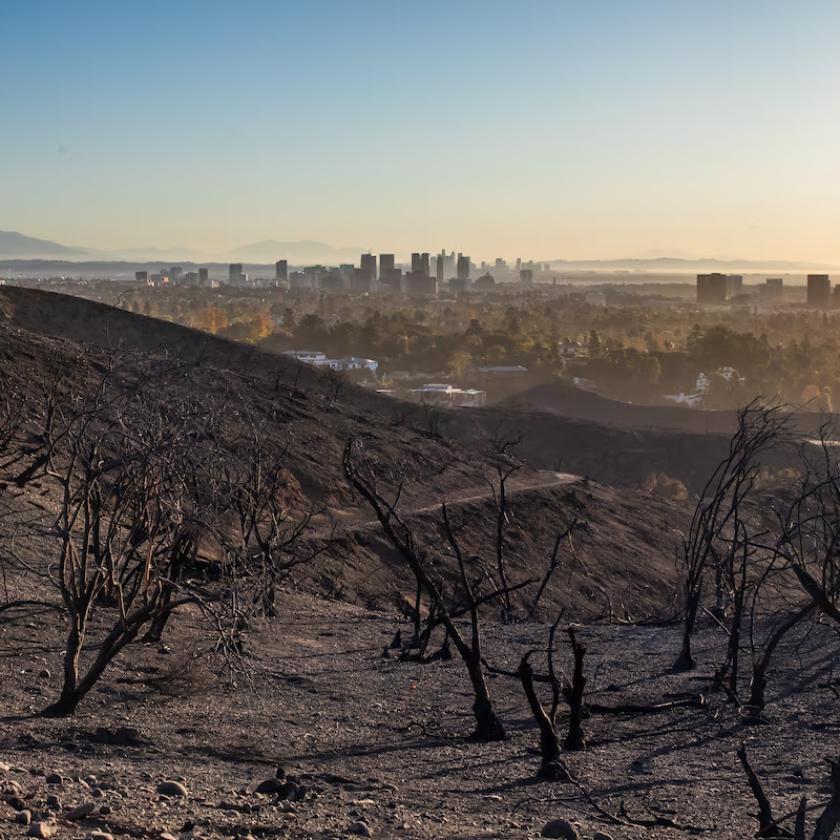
x,y
18,247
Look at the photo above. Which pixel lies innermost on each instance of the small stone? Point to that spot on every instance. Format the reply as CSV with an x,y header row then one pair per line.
x,y
53,802
105,810
44,674
165,835
561,829
271,785
80,811
171,788
4,768
283,789
23,817
42,829
100,835
54,779
599,835
360,829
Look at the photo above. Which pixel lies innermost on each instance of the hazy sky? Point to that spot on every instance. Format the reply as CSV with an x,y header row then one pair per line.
x,y
562,128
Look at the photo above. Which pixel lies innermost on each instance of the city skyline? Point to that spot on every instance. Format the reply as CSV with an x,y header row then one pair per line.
x,y
554,131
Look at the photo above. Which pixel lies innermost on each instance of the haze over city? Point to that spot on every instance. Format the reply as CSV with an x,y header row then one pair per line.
x,y
552,129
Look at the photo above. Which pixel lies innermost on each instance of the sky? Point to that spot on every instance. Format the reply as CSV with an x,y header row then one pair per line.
x,y
540,128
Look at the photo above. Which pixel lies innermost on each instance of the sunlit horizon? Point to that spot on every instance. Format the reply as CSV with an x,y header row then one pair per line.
x,y
549,131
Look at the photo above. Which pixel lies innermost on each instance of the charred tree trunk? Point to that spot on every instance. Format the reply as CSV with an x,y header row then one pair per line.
x,y
551,767
685,661
758,686
69,698
575,738
830,817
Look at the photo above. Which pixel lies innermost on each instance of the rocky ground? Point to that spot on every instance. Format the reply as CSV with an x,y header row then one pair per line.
x,y
323,737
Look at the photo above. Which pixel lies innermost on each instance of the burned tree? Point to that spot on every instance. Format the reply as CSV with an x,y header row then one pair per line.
x,y
551,766
117,529
402,538
709,542
113,455
773,828
257,529
498,490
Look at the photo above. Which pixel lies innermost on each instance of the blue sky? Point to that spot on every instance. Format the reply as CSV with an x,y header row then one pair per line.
x,y
542,129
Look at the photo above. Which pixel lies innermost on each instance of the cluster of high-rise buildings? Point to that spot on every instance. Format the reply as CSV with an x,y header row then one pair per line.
x,y
425,276
176,276
717,289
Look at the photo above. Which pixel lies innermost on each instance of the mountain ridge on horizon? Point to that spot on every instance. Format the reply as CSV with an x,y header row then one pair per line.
x,y
21,248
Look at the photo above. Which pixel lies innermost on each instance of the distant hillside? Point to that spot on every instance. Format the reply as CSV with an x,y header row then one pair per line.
x,y
628,553
573,431
566,400
14,245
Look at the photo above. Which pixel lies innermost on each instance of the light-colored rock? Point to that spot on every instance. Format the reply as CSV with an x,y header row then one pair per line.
x,y
172,788
560,829
9,787
42,829
99,835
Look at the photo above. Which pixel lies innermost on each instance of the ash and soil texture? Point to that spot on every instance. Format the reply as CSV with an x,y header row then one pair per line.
x,y
326,738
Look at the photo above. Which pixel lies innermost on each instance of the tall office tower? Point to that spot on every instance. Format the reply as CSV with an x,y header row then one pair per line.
x,y
416,263
440,265
426,264
368,266
386,265
735,285
281,273
175,274
463,267
713,289
203,278
519,263
235,274
500,263
141,276
819,291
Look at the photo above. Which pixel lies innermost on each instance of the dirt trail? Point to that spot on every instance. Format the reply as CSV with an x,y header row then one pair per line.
x,y
347,520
